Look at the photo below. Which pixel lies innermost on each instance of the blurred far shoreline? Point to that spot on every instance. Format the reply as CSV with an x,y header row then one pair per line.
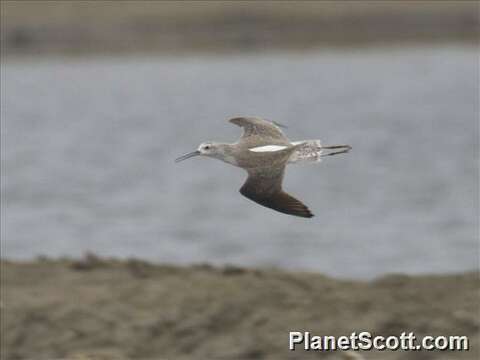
x,y
101,27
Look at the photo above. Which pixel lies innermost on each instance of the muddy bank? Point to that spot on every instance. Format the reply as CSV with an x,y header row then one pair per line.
x,y
38,27
108,309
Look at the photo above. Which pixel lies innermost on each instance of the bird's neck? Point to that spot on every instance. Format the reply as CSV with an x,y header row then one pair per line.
x,y
227,154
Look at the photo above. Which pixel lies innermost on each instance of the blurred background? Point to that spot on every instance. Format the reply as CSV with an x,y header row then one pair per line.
x,y
99,97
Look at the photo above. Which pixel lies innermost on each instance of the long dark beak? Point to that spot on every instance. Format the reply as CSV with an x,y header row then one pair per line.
x,y
187,156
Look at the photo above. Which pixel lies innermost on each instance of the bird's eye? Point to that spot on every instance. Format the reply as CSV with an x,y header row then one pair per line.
x,y
207,147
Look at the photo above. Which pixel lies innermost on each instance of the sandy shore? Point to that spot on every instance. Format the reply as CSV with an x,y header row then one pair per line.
x,y
108,309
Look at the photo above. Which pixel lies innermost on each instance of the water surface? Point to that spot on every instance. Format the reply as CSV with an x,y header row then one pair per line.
x,y
88,148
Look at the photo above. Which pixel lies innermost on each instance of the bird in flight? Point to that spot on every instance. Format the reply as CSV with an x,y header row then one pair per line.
x,y
264,152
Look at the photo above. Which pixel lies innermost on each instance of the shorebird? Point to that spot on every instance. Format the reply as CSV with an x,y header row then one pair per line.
x,y
264,151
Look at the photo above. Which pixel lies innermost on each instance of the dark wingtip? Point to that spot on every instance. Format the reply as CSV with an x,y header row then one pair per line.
x,y
305,213
309,215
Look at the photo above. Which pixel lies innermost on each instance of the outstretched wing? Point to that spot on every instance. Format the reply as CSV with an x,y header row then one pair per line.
x,y
265,188
255,126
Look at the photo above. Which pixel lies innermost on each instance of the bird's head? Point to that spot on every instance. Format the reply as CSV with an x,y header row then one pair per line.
x,y
209,148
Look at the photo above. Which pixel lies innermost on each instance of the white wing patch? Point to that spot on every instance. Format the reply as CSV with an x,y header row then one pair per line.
x,y
268,148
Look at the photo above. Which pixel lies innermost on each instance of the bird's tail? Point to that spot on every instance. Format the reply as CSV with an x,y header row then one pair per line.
x,y
313,151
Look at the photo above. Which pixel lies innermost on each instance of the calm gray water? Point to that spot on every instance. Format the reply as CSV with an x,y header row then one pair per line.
x,y
88,148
